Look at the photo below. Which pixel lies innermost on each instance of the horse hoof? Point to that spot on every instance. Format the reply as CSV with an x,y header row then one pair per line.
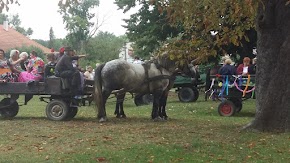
x,y
118,116
123,116
103,119
157,119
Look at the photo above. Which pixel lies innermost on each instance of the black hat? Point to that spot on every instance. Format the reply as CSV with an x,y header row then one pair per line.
x,y
68,48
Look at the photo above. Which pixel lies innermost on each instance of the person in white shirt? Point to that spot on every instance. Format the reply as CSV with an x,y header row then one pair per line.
x,y
89,75
137,60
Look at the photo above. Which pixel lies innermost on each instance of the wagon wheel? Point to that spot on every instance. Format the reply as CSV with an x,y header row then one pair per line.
x,y
72,113
143,99
187,94
226,108
238,104
57,110
11,110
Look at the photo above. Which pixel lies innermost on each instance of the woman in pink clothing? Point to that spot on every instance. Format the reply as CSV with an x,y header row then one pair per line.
x,y
34,69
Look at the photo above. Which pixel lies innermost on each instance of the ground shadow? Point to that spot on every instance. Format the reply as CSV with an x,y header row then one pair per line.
x,y
245,114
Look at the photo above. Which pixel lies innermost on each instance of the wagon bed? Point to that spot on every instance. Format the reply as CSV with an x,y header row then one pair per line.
x,y
55,91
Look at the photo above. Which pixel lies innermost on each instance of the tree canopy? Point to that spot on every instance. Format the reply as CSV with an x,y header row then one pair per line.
x,y
201,29
147,28
209,25
77,18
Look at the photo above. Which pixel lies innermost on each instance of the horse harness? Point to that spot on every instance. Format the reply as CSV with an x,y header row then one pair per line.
x,y
147,80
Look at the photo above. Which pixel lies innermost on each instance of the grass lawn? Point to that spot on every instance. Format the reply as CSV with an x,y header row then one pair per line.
x,y
194,132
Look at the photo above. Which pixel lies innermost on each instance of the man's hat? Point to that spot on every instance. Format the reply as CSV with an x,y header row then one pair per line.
x,y
61,50
68,48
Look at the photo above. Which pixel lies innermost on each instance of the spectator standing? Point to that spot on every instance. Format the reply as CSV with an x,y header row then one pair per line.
x,y
137,60
89,74
252,68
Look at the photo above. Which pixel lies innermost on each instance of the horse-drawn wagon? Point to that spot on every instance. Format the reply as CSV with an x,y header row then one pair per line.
x,y
61,104
232,91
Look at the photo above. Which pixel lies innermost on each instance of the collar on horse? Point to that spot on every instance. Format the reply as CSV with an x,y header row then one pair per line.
x,y
159,77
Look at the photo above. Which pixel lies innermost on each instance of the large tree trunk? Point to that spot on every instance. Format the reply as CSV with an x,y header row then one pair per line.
x,y
273,67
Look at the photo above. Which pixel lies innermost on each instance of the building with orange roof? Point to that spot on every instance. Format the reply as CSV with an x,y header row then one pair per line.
x,y
11,39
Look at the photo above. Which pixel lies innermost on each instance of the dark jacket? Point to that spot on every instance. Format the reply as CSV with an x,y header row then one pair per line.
x,y
227,70
64,64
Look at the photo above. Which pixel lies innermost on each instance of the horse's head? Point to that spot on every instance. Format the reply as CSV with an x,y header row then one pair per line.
x,y
188,69
176,67
164,61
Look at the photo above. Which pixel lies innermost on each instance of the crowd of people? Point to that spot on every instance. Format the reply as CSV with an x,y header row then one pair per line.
x,y
24,67
19,67
244,68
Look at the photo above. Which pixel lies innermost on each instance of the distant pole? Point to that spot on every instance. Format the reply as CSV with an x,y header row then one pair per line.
x,y
125,50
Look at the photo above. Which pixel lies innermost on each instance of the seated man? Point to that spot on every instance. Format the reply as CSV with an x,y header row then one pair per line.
x,y
65,69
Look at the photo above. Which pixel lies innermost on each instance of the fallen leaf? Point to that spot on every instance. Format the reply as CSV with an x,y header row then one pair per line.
x,y
101,159
252,145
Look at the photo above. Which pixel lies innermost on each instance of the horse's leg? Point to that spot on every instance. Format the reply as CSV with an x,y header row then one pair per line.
x,y
156,103
162,108
102,115
117,108
119,111
122,113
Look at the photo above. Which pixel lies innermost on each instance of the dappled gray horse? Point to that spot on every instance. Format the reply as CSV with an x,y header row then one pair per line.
x,y
150,78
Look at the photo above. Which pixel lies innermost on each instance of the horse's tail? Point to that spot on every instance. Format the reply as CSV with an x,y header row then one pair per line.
x,y
98,88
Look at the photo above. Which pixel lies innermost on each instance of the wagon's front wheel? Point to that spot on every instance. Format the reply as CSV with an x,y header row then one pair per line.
x,y
72,113
11,110
57,110
238,104
226,108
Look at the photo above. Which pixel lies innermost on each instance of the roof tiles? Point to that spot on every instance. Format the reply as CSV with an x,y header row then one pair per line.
x,y
12,39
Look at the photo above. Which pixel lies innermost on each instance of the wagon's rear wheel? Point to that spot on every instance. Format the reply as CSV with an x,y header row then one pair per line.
x,y
187,94
147,99
226,108
57,110
143,99
11,110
